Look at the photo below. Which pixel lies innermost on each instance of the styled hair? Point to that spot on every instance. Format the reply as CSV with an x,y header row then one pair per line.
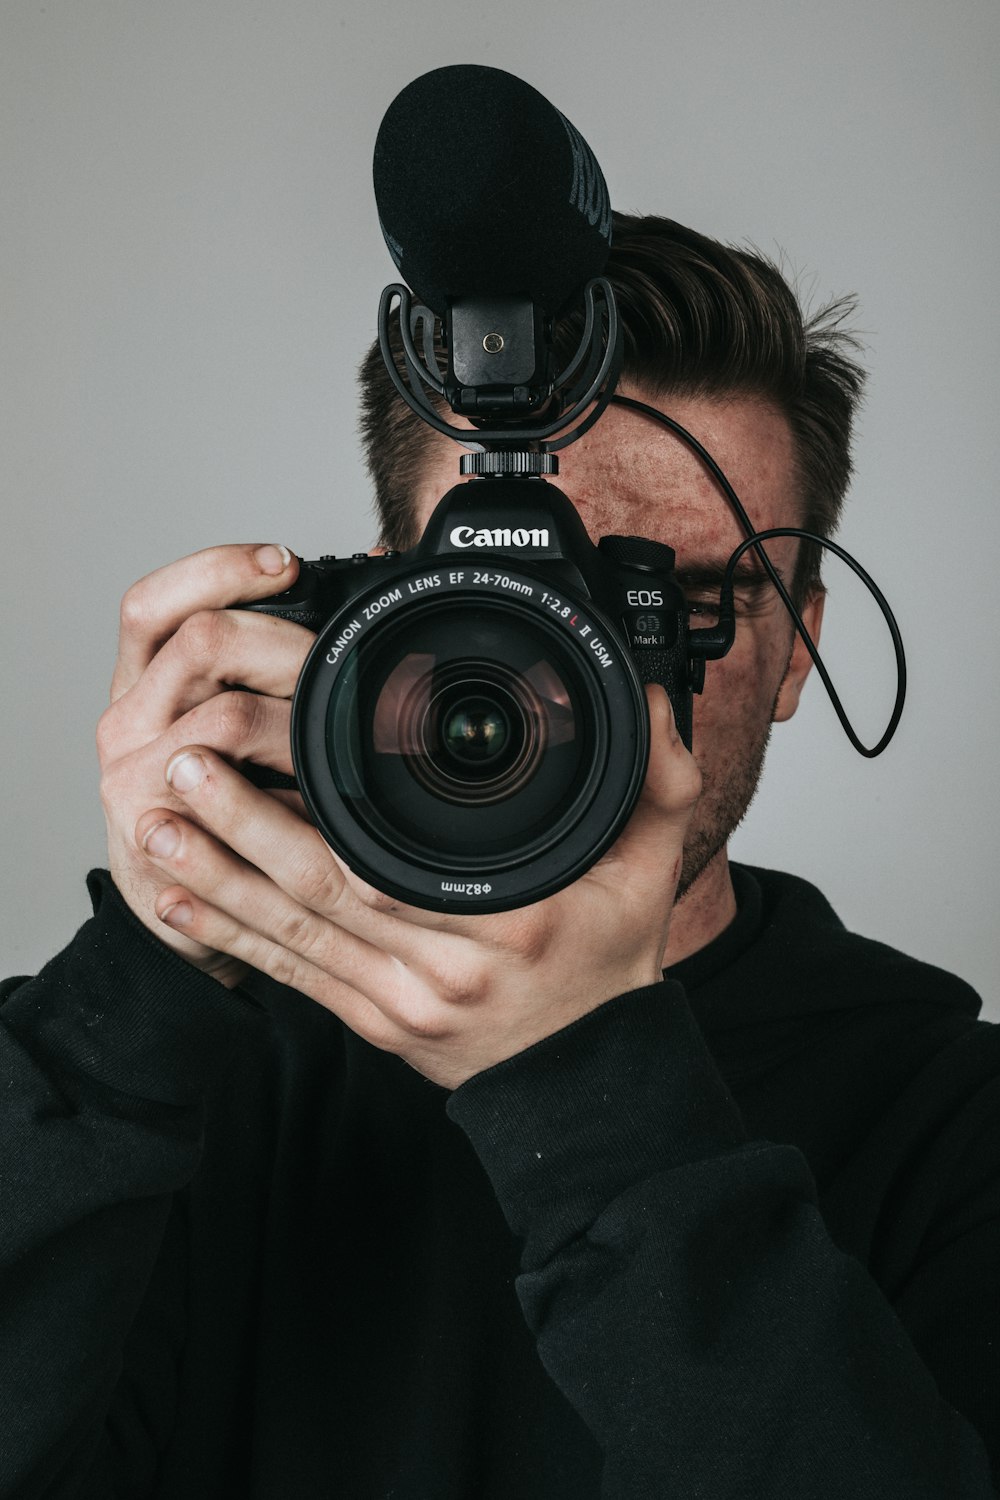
x,y
699,318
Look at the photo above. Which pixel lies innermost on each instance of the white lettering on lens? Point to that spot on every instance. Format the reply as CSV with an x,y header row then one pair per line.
x,y
344,639
470,888
521,536
416,585
378,605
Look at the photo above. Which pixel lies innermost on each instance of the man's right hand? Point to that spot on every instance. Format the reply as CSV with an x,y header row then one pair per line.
x,y
181,653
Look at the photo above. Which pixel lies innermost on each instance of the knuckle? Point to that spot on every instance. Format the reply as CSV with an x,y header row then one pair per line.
x,y
527,936
428,1022
463,985
297,930
203,635
236,720
113,790
379,901
136,614
278,962
372,898
108,734
318,881
303,935
108,802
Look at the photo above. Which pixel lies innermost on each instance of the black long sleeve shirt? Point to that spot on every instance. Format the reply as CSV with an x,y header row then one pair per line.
x,y
734,1235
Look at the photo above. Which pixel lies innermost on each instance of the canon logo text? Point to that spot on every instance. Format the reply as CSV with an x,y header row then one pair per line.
x,y
521,536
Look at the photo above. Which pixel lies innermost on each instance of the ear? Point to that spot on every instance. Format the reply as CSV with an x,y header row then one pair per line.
x,y
800,662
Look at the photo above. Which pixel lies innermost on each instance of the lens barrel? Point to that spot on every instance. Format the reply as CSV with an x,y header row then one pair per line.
x,y
469,738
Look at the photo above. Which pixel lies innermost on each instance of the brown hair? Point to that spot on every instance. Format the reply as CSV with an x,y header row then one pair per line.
x,y
699,318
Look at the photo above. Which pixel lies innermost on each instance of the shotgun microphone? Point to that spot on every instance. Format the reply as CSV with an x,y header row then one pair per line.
x,y
484,189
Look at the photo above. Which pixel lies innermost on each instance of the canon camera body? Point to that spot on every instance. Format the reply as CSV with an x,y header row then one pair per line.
x,y
470,731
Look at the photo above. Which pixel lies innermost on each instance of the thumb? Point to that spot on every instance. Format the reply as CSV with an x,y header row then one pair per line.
x,y
655,832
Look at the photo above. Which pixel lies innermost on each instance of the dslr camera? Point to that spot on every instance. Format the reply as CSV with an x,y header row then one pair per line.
x,y
470,731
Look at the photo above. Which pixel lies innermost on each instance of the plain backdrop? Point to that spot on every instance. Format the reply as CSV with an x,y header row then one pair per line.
x,y
191,264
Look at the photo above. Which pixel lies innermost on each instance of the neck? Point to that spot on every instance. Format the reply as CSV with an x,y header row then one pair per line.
x,y
706,908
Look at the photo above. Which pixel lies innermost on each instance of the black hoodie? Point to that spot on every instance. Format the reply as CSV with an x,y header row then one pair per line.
x,y
734,1235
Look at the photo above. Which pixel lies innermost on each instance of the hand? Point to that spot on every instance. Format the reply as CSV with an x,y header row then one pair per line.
x,y
180,650
247,876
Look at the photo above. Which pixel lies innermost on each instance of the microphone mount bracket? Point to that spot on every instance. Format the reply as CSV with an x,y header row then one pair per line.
x,y
527,409
499,359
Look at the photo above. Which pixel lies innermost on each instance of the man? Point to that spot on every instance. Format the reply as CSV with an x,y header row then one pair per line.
x,y
312,1194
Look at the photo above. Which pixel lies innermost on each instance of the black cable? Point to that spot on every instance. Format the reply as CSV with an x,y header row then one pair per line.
x,y
726,605
754,539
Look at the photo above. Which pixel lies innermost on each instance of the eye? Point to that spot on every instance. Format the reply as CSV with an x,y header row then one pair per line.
x,y
703,608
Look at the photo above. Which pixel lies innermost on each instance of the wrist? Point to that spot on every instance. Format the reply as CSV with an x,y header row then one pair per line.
x,y
625,1092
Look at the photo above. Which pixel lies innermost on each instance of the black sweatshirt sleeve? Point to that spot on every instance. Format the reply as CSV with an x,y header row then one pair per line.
x,y
682,1286
103,1061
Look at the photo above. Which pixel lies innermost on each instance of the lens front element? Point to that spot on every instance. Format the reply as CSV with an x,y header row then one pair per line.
x,y
475,731
472,732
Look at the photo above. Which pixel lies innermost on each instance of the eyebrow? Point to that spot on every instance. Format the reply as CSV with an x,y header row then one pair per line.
x,y
749,577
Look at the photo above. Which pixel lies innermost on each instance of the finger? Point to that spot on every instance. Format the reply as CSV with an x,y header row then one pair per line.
x,y
672,782
270,836
667,800
243,727
214,928
215,578
207,868
209,651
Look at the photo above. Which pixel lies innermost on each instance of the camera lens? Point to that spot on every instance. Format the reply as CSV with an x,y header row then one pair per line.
x,y
473,743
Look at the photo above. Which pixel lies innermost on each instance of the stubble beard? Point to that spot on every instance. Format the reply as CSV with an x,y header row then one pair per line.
x,y
722,806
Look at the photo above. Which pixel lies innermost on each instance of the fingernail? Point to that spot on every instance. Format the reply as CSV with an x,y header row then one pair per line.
x,y
162,839
185,771
178,915
273,558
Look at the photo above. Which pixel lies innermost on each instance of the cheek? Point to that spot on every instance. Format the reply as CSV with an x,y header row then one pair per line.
x,y
739,693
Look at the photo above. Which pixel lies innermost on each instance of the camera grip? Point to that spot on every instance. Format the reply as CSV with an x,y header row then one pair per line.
x,y
668,669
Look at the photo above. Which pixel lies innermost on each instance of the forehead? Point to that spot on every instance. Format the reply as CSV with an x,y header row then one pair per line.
x,y
637,476
631,475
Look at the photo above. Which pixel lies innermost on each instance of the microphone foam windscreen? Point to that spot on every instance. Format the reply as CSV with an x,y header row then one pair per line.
x,y
485,189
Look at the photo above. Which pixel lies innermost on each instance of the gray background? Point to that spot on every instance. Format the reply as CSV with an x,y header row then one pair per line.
x,y
191,265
